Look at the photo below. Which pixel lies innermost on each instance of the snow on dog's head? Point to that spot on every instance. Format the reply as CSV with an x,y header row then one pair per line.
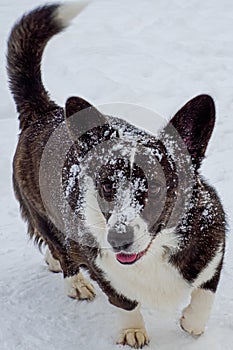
x,y
125,185
124,197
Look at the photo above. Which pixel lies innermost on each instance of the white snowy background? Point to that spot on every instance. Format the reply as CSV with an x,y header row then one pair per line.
x,y
155,53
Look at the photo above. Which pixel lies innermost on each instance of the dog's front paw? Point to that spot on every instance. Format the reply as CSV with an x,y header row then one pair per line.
x,y
77,287
191,323
134,337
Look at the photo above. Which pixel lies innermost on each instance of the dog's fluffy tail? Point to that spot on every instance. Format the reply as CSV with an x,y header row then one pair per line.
x,y
26,44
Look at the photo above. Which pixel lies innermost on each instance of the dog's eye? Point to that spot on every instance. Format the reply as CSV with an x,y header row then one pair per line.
x,y
155,188
107,187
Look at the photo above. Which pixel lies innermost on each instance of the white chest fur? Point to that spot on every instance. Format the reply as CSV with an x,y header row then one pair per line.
x,y
151,281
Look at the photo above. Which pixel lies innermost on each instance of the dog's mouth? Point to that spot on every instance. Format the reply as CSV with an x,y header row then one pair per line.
x,y
128,259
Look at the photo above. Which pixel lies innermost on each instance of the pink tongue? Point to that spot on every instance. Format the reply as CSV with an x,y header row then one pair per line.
x,y
126,258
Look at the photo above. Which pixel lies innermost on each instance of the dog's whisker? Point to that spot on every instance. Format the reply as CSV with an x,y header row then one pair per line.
x,y
96,224
95,227
92,208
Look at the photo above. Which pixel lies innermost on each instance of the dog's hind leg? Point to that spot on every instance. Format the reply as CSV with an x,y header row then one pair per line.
x,y
67,260
78,287
53,264
133,332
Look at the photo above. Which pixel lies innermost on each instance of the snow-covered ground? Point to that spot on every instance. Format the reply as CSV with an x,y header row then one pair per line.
x,y
155,53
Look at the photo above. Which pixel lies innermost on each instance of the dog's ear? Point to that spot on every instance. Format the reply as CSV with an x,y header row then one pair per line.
x,y
75,105
194,122
81,117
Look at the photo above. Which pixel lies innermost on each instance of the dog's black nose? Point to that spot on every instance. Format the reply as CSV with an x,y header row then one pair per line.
x,y
121,240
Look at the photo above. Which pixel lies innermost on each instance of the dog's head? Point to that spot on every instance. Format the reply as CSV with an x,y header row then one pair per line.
x,y
131,184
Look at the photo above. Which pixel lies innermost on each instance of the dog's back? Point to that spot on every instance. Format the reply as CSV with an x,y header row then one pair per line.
x,y
38,114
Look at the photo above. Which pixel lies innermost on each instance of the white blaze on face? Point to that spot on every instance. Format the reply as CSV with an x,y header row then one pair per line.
x,y
132,157
95,220
126,210
124,213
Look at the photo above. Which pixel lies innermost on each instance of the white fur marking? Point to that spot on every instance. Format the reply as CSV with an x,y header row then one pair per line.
x,y
65,13
196,315
133,332
130,319
53,264
210,269
132,157
151,280
78,287
95,220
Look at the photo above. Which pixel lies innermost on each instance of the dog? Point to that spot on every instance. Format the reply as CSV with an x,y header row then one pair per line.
x,y
102,194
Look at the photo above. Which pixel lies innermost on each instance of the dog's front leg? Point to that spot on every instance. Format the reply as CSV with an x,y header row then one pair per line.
x,y
196,314
76,286
133,332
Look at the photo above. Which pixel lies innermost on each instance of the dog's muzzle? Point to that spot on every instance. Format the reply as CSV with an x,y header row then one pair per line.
x,y
121,240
